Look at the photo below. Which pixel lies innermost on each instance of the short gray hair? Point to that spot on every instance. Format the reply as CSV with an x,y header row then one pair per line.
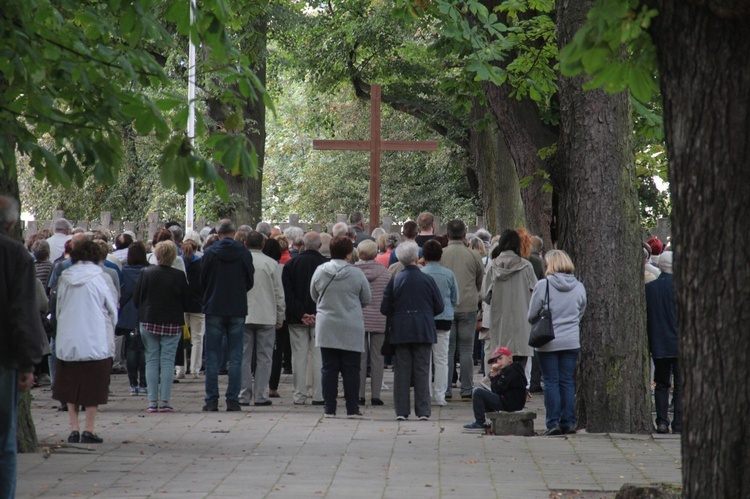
x,y
340,229
407,252
367,250
311,240
225,226
264,228
9,211
62,225
293,233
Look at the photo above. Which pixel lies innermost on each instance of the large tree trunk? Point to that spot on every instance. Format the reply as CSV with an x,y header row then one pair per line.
x,y
525,134
499,191
704,53
599,228
247,192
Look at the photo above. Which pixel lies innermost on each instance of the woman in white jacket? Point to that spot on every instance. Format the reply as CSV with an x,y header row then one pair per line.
x,y
85,343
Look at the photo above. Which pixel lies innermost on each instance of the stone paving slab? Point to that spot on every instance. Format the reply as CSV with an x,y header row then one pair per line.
x,y
286,450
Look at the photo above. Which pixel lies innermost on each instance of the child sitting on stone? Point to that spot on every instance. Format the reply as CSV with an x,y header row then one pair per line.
x,y
508,383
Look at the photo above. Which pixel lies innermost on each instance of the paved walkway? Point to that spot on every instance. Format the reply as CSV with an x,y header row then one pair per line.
x,y
287,450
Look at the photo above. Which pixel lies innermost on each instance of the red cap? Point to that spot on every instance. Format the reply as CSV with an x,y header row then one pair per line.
x,y
498,352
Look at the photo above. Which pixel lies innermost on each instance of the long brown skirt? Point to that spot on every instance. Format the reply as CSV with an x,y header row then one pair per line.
x,y
82,383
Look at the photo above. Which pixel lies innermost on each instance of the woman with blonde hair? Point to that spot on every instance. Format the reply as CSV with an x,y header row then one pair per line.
x,y
567,303
161,296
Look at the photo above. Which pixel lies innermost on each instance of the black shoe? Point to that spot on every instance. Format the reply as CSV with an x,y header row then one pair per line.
x,y
74,437
90,438
63,408
318,402
361,401
233,406
287,370
662,429
211,406
535,389
551,432
245,404
568,431
676,431
376,402
274,394
261,404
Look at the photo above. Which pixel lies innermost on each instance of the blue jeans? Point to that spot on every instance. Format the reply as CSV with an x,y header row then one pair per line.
x,y
484,401
160,354
233,329
462,337
8,439
559,388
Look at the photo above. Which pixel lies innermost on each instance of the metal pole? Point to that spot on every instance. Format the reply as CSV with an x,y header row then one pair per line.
x,y
190,196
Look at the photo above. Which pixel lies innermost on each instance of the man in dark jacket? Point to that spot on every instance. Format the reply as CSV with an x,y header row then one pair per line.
x,y
300,315
508,381
661,323
21,337
227,276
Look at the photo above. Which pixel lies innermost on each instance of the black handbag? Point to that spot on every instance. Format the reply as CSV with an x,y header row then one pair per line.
x,y
542,331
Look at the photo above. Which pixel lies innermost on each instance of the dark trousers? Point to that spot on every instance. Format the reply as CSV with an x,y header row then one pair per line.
x,y
484,401
666,370
347,363
280,358
536,375
412,368
135,359
520,359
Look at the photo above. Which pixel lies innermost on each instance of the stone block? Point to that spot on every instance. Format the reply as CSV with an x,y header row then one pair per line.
x,y
520,423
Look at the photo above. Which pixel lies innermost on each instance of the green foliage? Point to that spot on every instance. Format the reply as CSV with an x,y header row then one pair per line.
x,y
615,49
73,72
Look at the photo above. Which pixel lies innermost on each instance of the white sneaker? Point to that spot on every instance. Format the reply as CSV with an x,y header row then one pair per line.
x,y
441,402
400,418
424,418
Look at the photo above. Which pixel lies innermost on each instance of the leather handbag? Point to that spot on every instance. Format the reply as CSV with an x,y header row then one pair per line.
x,y
542,331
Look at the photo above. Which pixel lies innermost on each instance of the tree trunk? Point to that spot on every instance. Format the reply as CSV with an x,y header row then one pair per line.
x,y
525,134
499,191
247,192
704,53
600,229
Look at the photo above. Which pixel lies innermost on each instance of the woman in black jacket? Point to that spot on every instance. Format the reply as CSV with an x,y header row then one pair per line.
x,y
161,296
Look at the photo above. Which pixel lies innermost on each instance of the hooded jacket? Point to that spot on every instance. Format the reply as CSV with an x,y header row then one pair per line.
x,y
226,276
510,384
86,314
340,291
377,276
507,287
567,303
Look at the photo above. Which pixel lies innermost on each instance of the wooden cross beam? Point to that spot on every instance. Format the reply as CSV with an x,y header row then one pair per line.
x,y
374,145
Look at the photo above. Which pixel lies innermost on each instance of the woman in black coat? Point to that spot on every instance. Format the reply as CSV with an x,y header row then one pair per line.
x,y
411,300
161,296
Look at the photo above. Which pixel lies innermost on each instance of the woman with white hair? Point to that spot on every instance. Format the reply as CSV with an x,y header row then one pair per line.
x,y
411,301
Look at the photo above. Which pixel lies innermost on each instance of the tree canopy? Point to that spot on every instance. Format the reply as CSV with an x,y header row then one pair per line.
x,y
72,73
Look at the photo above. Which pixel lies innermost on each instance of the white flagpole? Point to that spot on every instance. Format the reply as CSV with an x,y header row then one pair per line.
x,y
190,196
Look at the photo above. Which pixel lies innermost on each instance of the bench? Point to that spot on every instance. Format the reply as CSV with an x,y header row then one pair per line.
x,y
520,423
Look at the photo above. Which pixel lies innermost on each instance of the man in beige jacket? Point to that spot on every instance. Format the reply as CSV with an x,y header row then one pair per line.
x,y
265,314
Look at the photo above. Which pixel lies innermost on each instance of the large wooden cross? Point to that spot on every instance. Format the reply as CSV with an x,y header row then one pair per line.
x,y
374,145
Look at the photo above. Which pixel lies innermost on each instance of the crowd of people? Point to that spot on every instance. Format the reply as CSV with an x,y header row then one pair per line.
x,y
251,303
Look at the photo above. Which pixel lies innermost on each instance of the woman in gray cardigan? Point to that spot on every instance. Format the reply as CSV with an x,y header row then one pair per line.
x,y
340,291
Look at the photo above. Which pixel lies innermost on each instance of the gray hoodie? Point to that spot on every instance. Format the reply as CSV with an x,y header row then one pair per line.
x,y
340,290
567,302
